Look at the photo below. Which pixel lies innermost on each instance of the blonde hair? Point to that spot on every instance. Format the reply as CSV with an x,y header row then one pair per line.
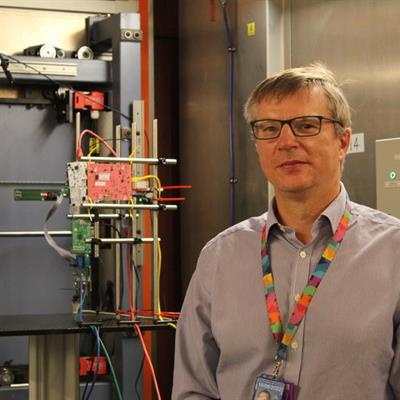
x,y
290,81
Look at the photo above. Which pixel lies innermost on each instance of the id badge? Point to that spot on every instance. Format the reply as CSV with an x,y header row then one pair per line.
x,y
269,388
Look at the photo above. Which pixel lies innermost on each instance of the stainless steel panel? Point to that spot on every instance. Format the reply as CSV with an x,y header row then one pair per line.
x,y
251,191
204,137
358,40
388,176
204,143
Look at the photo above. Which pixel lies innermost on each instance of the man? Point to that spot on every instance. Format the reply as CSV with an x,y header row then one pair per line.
x,y
263,395
308,292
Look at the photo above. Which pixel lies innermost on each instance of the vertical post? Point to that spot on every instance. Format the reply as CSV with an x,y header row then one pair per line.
x,y
139,144
145,10
154,216
53,367
117,224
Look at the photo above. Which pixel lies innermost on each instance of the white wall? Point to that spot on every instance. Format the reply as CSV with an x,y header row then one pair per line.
x,y
60,23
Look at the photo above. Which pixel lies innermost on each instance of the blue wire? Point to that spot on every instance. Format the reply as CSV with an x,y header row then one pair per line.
x,y
231,50
97,334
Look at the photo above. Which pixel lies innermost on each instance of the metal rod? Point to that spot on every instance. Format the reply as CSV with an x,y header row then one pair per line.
x,y
133,220
77,129
117,247
155,161
154,216
121,240
25,182
33,233
100,216
138,146
96,247
157,207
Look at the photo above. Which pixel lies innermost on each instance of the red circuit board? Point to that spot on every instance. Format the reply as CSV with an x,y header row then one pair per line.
x,y
109,182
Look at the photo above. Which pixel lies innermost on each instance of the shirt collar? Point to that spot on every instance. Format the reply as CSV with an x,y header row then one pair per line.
x,y
335,210
333,213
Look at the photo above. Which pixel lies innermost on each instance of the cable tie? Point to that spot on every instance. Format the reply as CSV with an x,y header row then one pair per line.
x,y
233,180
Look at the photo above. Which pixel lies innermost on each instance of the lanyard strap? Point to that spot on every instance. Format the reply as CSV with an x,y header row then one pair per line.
x,y
284,338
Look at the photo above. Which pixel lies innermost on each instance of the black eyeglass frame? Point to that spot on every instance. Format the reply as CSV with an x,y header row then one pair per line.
x,y
289,122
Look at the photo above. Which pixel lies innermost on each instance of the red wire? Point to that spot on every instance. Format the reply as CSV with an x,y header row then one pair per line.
x,y
132,313
177,187
170,314
139,332
79,152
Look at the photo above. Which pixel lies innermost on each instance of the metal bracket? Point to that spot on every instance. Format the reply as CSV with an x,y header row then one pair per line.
x,y
131,35
126,133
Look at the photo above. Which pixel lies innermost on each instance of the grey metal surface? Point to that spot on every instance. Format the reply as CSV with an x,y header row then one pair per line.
x,y
388,175
88,71
53,367
204,141
252,67
34,147
126,66
358,40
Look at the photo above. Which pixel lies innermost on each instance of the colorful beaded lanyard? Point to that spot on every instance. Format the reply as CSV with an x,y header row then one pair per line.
x,y
284,338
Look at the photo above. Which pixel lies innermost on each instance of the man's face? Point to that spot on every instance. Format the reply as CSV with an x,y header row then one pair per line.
x,y
301,164
263,396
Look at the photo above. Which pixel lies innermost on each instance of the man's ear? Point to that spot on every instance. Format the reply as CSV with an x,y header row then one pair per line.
x,y
344,143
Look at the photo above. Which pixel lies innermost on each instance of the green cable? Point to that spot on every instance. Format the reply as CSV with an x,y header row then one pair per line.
x,y
112,370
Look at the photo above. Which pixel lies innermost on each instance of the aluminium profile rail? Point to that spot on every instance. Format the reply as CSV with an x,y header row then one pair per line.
x,y
134,160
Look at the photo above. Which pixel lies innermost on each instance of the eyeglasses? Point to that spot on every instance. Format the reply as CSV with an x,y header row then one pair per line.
x,y
309,125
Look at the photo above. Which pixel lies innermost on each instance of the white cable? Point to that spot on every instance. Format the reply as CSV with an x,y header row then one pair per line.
x,y
64,253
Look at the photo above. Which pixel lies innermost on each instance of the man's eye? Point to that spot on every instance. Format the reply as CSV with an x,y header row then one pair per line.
x,y
305,127
269,128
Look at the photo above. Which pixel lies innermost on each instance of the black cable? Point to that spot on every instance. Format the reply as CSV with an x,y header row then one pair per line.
x,y
138,280
90,372
95,375
139,374
63,85
4,64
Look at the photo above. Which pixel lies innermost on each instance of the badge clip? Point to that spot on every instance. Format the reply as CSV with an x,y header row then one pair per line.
x,y
277,367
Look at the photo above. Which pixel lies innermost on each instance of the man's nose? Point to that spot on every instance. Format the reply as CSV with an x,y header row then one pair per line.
x,y
287,138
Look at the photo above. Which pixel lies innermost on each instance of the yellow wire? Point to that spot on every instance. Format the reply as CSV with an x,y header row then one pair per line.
x,y
90,208
158,294
157,179
133,153
91,152
147,177
93,147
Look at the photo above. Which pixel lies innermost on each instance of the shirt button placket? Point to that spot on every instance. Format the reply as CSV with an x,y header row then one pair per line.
x,y
292,371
